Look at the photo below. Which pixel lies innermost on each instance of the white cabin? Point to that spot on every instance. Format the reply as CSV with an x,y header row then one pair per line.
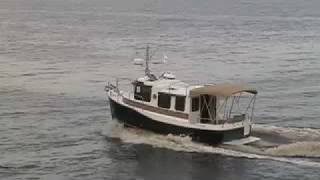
x,y
207,104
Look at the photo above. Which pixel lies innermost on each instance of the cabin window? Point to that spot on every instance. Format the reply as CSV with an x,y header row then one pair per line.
x,y
180,102
138,89
195,104
164,100
142,93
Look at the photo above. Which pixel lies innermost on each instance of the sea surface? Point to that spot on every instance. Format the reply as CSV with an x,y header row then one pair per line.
x,y
57,55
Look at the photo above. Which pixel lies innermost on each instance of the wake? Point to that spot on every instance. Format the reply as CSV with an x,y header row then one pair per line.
x,y
293,151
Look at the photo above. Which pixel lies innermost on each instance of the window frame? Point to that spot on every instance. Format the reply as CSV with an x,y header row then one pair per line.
x,y
142,92
160,99
183,103
193,107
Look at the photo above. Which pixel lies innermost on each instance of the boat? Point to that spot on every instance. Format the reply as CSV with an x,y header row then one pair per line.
x,y
209,113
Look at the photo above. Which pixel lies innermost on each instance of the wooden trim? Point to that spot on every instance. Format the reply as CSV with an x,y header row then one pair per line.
x,y
155,109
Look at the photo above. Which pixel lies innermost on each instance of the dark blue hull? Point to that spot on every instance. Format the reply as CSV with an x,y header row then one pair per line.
x,y
131,117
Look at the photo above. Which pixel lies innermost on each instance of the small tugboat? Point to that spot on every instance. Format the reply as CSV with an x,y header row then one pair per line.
x,y
212,113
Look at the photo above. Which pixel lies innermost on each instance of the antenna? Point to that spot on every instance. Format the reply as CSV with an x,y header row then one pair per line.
x,y
148,56
147,70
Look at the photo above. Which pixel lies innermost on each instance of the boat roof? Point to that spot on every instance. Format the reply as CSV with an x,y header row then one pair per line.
x,y
177,87
168,86
222,90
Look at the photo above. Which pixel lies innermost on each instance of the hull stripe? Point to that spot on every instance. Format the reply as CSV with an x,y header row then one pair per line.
x,y
155,109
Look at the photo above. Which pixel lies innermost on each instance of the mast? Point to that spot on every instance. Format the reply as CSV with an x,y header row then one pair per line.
x,y
147,70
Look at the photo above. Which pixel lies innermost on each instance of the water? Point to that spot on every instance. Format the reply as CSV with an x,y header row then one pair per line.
x,y
57,55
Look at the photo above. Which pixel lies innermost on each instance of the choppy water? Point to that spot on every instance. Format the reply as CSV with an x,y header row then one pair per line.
x,y
56,56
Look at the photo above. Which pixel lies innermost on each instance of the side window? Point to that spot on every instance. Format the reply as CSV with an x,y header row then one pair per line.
x,y
138,89
142,93
137,93
180,103
195,104
146,93
164,100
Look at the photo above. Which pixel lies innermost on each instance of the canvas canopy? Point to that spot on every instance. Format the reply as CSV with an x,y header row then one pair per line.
x,y
221,90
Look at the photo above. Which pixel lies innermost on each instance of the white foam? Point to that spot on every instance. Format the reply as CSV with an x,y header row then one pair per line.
x,y
184,144
297,134
242,141
301,149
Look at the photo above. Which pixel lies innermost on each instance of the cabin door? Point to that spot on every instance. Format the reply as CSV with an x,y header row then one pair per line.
x,y
207,108
194,110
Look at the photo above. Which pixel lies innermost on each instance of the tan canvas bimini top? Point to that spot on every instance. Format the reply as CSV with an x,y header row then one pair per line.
x,y
221,90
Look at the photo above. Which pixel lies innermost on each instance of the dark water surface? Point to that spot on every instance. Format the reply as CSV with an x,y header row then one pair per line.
x,y
56,56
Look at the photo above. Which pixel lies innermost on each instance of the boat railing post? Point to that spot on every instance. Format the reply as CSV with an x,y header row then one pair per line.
x,y
225,109
230,110
117,89
117,84
252,110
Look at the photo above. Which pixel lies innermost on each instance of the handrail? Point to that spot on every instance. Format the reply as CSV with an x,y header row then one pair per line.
x,y
109,87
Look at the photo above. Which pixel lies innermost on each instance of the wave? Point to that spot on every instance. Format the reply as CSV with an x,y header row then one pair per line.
x,y
282,153
291,133
298,149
